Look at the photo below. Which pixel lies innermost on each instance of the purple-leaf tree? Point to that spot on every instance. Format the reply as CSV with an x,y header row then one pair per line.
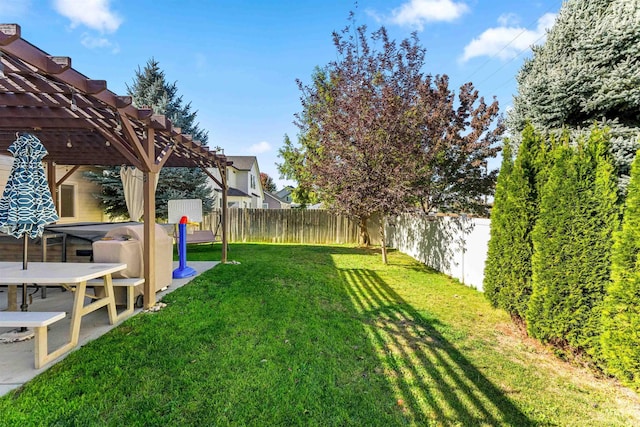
x,y
377,137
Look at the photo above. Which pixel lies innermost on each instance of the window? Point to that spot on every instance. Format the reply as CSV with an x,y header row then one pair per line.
x,y
67,201
253,181
265,206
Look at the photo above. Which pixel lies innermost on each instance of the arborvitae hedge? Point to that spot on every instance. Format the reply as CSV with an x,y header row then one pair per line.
x,y
496,267
549,240
606,222
621,308
572,245
507,282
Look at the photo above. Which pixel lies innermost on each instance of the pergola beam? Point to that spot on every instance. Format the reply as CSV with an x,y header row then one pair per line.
x,y
9,33
63,61
131,136
12,43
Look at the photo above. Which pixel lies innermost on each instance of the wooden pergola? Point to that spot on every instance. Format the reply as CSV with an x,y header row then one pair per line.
x,y
81,122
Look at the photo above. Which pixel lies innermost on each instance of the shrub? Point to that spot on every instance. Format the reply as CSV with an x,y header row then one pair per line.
x,y
507,282
621,308
572,242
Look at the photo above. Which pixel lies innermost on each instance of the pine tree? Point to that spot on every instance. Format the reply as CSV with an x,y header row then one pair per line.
x,y
151,89
621,308
111,196
587,71
572,242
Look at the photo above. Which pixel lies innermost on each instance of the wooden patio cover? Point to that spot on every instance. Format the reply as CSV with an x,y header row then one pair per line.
x,y
81,122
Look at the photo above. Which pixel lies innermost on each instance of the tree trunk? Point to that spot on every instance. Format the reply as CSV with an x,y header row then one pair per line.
x,y
383,240
365,239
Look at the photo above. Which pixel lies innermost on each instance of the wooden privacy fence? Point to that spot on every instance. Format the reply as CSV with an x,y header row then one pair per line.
x,y
315,226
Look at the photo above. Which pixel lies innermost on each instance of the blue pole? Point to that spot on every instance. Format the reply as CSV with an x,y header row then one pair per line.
x,y
183,270
182,247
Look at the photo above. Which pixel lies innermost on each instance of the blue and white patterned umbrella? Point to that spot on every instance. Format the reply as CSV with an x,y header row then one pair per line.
x,y
26,205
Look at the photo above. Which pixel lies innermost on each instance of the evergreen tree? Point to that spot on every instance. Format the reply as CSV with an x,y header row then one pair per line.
x,y
293,167
111,196
587,71
182,183
151,89
621,308
496,266
606,221
552,244
572,242
507,281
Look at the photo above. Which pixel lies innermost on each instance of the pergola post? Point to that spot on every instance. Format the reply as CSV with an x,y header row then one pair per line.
x,y
149,255
149,218
224,186
225,214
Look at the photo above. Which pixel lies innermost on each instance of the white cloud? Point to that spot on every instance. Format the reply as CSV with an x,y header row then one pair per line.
x,y
14,8
260,147
506,42
94,14
507,19
91,42
416,13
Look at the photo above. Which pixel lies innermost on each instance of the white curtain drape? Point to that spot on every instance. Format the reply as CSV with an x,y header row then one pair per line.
x,y
132,180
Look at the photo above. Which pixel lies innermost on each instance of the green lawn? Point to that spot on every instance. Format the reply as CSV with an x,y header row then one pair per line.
x,y
317,335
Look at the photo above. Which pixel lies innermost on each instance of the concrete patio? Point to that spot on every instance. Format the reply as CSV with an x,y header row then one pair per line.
x,y
17,359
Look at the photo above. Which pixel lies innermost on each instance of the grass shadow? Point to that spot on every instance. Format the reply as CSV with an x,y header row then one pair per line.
x,y
433,380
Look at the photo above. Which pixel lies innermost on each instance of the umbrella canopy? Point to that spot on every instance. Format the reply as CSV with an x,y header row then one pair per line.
x,y
26,205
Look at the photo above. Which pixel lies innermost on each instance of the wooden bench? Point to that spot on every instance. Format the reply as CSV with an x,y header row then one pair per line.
x,y
39,321
130,284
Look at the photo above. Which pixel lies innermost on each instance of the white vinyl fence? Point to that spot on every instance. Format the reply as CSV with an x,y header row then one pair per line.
x,y
454,245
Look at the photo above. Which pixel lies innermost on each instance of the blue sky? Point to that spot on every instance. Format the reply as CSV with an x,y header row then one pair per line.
x,y
237,61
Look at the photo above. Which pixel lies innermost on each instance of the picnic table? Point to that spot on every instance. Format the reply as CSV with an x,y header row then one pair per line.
x,y
74,274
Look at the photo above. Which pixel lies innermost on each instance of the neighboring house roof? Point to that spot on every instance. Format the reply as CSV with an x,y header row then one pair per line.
x,y
237,193
285,191
243,163
274,202
273,196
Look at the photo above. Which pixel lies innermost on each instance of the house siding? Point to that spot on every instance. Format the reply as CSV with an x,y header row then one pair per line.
x,y
239,177
87,207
